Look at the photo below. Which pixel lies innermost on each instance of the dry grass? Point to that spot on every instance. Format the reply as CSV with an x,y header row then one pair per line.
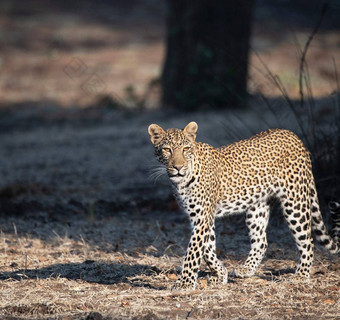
x,y
120,269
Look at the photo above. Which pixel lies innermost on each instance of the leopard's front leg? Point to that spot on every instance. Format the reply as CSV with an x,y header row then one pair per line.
x,y
219,272
193,257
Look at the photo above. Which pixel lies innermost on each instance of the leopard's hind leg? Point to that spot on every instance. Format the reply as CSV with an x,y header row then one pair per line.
x,y
295,203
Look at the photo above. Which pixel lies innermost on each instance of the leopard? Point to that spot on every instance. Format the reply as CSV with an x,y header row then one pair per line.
x,y
244,176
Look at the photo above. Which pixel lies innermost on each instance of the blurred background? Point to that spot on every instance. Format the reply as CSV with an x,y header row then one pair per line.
x,y
50,49
80,81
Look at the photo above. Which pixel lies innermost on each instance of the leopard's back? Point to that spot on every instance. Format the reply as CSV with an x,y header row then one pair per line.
x,y
254,169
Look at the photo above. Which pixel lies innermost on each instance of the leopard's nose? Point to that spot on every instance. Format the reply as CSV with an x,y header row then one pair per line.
x,y
178,167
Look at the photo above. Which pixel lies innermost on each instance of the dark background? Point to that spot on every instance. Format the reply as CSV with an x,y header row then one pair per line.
x,y
80,81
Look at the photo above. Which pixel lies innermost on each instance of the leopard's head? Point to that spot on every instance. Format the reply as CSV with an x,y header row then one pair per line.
x,y
175,149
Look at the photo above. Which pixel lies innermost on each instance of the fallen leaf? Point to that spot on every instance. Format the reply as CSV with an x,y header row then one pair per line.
x,y
329,301
43,259
172,276
334,288
125,304
203,283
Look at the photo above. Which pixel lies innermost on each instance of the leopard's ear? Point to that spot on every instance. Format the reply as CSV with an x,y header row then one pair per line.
x,y
191,130
156,133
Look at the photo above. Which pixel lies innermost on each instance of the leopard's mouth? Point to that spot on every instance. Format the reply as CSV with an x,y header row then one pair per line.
x,y
176,175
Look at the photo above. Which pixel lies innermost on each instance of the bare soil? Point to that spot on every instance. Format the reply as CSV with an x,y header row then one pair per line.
x,y
123,266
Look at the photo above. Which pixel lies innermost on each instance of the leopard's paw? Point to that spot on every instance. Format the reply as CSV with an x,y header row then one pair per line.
x,y
183,284
242,272
217,280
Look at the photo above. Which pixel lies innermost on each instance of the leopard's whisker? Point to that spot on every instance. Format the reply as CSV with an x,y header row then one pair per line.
x,y
157,172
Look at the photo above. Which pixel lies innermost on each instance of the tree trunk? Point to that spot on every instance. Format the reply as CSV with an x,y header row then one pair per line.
x,y
207,53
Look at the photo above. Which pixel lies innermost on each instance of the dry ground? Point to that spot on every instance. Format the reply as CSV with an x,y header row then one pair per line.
x,y
118,268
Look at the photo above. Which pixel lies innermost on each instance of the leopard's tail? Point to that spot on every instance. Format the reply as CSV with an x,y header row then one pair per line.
x,y
334,208
330,241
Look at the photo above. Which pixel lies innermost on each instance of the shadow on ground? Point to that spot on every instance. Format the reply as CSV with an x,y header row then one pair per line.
x,y
90,271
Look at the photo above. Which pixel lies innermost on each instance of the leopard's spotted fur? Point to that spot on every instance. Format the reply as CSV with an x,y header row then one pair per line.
x,y
242,177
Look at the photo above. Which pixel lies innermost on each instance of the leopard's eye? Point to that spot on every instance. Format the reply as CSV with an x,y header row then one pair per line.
x,y
167,150
186,148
